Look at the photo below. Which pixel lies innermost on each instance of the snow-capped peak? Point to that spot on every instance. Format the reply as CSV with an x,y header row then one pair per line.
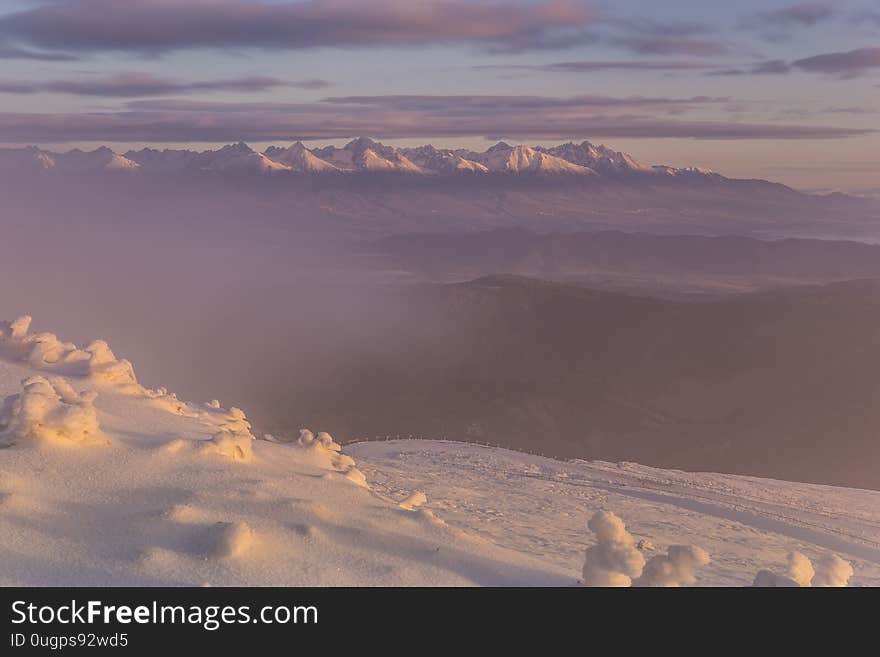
x,y
301,159
239,157
520,159
364,154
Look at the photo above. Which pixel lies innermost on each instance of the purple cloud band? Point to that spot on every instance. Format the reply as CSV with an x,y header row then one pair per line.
x,y
389,117
576,67
166,25
129,85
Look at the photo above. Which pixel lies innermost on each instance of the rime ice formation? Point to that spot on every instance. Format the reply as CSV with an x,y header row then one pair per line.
x,y
614,560
675,568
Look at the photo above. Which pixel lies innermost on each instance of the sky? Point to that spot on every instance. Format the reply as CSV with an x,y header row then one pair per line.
x,y
756,88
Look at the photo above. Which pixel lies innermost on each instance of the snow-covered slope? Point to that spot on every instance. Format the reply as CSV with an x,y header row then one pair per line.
x,y
105,482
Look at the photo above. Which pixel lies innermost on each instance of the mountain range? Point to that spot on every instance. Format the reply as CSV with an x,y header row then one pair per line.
x,y
674,266
358,156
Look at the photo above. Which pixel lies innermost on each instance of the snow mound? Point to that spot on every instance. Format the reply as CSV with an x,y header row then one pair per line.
x,y
50,409
675,568
614,560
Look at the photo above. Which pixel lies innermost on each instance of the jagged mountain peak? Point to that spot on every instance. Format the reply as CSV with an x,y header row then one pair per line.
x,y
300,159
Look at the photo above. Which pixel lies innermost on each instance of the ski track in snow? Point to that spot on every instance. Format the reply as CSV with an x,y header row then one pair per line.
x,y
541,506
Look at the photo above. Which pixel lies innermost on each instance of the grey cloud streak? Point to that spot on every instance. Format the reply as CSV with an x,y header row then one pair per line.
x,y
593,66
671,45
803,14
15,52
843,64
127,85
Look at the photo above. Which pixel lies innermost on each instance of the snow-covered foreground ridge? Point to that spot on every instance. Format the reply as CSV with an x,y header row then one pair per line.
x,y
106,482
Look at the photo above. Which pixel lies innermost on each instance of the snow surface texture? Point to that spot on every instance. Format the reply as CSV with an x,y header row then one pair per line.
x,y
105,482
540,506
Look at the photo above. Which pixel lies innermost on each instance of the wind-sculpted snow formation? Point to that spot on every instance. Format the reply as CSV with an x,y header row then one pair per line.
x,y
44,351
49,408
614,560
